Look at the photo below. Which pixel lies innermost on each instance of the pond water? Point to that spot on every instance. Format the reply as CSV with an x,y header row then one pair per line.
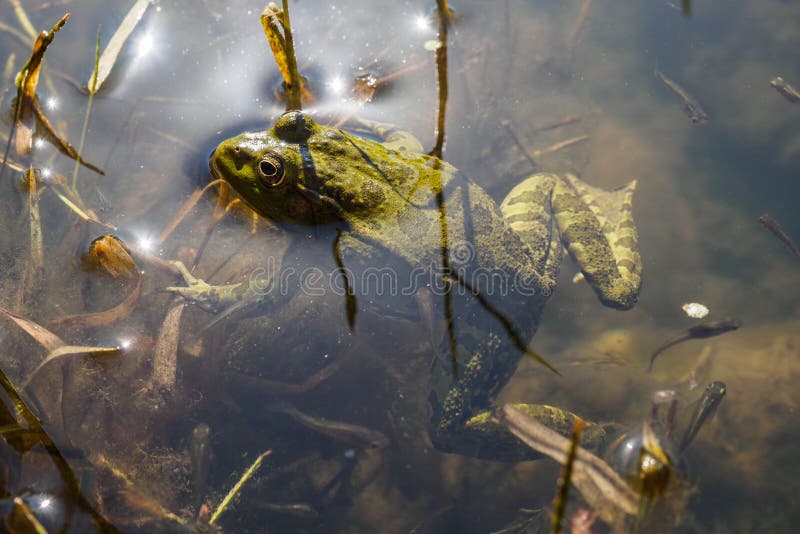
x,y
573,84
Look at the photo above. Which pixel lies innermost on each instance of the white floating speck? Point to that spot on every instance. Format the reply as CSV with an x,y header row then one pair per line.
x,y
695,310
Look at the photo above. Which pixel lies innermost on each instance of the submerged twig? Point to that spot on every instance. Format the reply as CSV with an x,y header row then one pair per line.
x,y
560,146
441,76
560,503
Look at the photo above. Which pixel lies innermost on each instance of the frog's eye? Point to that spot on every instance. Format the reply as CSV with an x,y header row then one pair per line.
x,y
270,170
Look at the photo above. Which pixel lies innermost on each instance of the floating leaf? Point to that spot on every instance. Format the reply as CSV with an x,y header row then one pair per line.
x,y
109,56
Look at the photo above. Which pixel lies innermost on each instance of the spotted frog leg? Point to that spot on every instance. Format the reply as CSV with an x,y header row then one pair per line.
x,y
597,229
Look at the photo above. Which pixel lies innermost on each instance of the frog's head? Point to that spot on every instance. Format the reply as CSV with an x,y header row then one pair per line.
x,y
301,172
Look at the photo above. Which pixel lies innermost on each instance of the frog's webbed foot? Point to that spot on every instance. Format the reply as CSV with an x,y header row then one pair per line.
x,y
598,230
483,436
391,136
208,297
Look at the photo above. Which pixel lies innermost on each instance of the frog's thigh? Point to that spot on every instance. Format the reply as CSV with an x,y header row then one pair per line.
x,y
393,137
527,211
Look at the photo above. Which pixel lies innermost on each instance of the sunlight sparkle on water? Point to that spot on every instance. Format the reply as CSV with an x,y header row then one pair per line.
x,y
422,23
336,85
145,243
46,172
52,103
145,45
38,143
125,343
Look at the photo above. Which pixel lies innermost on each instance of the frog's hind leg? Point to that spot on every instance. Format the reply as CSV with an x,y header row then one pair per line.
x,y
391,136
598,230
527,211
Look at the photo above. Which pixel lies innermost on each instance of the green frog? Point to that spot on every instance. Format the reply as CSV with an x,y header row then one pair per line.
x,y
389,197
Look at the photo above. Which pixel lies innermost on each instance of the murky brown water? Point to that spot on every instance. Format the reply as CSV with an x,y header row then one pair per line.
x,y
195,73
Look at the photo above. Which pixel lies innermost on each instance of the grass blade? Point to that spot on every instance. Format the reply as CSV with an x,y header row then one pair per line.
x,y
238,486
42,335
69,350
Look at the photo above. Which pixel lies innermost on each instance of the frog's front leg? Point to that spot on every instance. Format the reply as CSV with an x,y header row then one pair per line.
x,y
258,289
391,136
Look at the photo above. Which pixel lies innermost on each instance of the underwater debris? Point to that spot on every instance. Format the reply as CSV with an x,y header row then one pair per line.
x,y
700,331
690,106
789,93
695,310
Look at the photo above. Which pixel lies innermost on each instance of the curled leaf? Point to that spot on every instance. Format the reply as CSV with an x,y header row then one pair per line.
x,y
109,255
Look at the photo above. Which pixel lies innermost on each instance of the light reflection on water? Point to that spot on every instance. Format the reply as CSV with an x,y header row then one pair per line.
x,y
196,73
